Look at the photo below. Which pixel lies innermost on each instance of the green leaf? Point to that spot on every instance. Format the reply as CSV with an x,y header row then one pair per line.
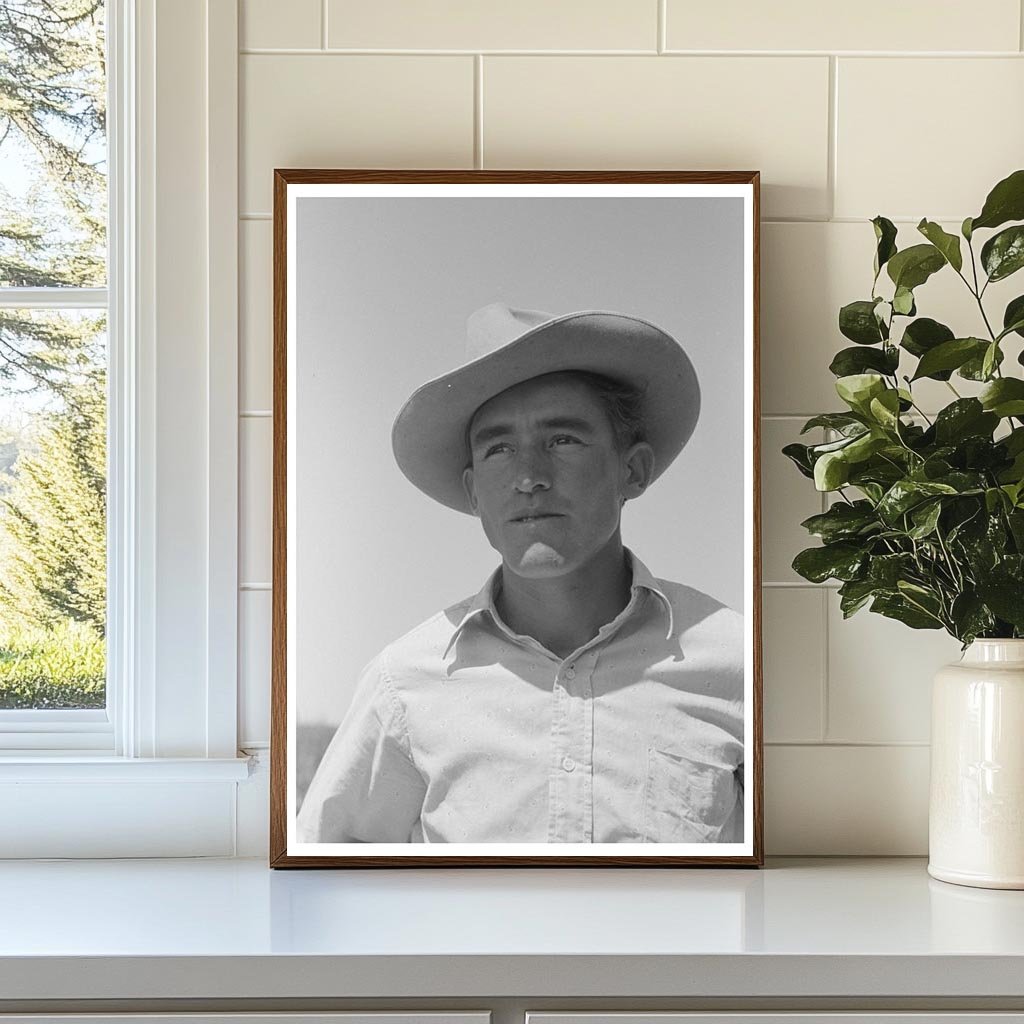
x,y
912,267
857,321
1003,254
903,302
854,595
1006,598
799,454
990,360
849,361
858,389
842,521
842,421
885,409
925,518
966,229
906,494
898,607
887,570
994,500
974,368
950,355
947,244
923,335
885,236
864,446
1013,318
1015,519
971,617
1005,202
966,417
840,561
1004,397
831,471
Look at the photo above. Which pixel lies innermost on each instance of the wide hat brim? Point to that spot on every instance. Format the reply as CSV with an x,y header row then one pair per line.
x,y
429,437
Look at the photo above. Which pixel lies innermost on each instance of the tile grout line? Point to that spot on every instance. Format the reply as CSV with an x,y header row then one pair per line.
x,y
848,744
323,25
662,41
833,134
1020,23
825,724
768,55
912,221
478,111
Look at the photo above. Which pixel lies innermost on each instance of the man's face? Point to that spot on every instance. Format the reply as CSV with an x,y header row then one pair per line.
x,y
547,478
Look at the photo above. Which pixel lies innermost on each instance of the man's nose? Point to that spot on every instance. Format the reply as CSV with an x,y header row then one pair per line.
x,y
531,472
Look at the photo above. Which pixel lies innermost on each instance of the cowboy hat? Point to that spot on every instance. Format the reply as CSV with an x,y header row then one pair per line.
x,y
508,346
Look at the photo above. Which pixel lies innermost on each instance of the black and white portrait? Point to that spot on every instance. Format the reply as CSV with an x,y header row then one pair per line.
x,y
520,520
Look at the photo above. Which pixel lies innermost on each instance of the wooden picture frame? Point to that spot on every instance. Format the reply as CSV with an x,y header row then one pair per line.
x,y
375,273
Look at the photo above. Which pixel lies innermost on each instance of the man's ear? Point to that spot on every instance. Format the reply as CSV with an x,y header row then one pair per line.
x,y
638,465
467,484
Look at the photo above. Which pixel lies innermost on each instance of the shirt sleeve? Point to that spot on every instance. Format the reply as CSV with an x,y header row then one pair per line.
x,y
367,788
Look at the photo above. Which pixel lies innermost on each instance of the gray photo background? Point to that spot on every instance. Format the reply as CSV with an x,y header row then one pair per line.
x,y
384,287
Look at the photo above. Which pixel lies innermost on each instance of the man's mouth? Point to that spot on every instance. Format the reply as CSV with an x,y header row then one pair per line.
x,y
533,517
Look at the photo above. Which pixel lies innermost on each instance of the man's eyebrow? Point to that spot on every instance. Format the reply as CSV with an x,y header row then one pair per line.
x,y
496,430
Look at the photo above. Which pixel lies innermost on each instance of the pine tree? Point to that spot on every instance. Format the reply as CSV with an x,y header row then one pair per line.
x,y
53,234
53,521
52,122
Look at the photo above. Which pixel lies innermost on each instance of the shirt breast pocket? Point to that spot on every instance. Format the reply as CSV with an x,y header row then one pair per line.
x,y
686,800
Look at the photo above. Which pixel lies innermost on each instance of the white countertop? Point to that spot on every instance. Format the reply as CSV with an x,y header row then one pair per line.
x,y
235,929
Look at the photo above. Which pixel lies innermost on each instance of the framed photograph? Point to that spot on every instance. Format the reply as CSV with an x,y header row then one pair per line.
x,y
516,587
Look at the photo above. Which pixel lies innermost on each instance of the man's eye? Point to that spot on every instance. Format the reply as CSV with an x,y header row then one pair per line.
x,y
496,449
565,439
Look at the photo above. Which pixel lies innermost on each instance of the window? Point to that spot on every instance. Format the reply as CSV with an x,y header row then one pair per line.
x,y
53,370
155,769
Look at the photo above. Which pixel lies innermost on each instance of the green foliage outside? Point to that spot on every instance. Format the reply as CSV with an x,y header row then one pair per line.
x,y
53,234
59,667
928,519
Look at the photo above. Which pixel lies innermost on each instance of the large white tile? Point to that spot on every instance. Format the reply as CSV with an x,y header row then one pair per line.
x,y
846,801
351,111
961,129
471,25
693,113
787,499
255,504
808,272
793,633
868,25
255,316
880,675
254,611
271,24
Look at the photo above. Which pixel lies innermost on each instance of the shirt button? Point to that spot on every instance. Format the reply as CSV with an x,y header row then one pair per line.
x,y
568,764
570,673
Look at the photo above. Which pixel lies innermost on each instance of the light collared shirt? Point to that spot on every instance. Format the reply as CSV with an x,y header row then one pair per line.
x,y
463,731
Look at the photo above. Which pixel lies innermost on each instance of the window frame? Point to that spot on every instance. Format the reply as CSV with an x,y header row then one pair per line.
x,y
172,466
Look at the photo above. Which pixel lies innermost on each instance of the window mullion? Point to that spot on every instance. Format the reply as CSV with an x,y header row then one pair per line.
x,y
53,298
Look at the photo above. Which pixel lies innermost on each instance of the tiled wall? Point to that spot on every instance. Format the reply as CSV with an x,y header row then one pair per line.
x,y
906,109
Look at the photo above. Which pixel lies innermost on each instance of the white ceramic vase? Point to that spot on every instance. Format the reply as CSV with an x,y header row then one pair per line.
x,y
976,813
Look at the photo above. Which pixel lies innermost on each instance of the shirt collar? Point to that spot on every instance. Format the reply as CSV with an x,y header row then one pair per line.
x,y
642,578
483,602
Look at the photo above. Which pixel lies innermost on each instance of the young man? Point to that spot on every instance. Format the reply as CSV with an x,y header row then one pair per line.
x,y
575,698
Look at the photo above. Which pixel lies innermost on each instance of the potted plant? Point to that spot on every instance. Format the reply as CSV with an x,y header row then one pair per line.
x,y
927,521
